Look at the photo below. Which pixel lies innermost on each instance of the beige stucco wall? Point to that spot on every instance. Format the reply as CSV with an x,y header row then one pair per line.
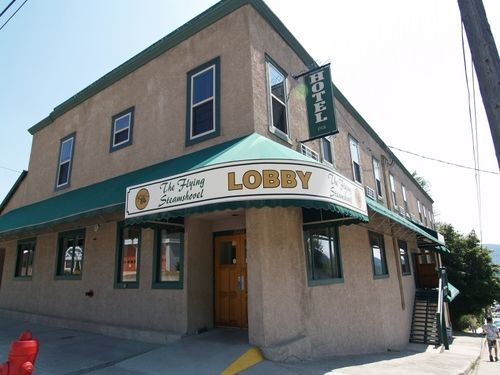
x,y
158,91
142,308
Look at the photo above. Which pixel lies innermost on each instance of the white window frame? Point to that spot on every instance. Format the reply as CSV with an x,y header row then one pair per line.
x,y
419,207
405,200
192,105
128,128
270,96
425,215
393,190
355,159
71,139
376,174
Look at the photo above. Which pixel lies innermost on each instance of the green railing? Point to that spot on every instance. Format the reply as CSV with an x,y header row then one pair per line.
x,y
440,315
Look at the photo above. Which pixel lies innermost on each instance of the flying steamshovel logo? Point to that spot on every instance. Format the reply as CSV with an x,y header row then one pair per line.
x,y
142,199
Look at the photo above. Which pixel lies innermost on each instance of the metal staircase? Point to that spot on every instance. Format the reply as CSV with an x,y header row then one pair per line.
x,y
424,327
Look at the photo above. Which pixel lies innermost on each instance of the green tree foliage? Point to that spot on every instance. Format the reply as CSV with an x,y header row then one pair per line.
x,y
471,270
424,184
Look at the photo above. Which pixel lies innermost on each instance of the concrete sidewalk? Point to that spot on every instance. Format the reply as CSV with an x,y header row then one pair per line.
x,y
64,351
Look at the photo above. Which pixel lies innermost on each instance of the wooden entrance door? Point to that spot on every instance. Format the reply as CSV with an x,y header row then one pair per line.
x,y
231,281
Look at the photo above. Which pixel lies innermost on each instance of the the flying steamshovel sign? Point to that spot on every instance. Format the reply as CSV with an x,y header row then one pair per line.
x,y
320,104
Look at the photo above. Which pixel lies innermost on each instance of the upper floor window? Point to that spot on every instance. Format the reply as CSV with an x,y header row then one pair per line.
x,y
304,150
25,255
326,150
71,246
378,254
378,182
203,102
393,190
65,161
127,265
419,207
404,258
323,253
121,129
405,199
425,215
277,88
356,166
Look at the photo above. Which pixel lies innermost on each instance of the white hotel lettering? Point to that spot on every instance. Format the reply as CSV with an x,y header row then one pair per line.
x,y
317,88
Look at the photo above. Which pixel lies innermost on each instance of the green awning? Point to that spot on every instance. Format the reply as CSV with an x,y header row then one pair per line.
x,y
109,195
424,238
452,292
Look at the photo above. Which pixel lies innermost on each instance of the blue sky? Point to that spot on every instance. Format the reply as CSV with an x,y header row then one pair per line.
x,y
398,62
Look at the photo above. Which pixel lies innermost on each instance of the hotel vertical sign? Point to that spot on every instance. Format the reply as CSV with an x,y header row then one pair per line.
x,y
320,104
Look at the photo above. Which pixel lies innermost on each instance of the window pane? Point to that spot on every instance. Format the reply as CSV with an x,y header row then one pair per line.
x,y
378,254
327,150
170,256
63,174
279,115
323,256
277,81
25,255
122,122
228,252
354,150
203,118
121,136
203,86
66,147
129,254
357,172
403,253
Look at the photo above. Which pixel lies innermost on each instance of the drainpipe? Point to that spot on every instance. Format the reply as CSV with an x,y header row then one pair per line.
x,y
395,245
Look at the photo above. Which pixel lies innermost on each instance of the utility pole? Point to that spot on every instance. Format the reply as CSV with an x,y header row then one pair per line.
x,y
486,62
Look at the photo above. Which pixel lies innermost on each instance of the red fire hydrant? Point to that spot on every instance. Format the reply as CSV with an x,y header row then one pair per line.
x,y
22,356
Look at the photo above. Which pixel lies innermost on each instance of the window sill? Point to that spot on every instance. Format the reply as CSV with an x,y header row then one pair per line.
x,y
168,285
377,277
278,133
68,277
325,282
134,285
23,278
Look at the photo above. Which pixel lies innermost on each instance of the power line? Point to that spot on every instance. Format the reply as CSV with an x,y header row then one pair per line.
x,y
10,169
442,161
7,7
13,14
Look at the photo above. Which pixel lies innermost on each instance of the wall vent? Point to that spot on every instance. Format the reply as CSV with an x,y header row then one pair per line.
x,y
304,150
370,193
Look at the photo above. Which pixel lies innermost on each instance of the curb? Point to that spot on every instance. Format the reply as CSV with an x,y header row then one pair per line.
x,y
474,363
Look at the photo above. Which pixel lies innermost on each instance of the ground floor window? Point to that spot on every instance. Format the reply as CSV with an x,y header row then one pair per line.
x,y
378,255
322,253
25,255
405,262
71,246
169,257
127,270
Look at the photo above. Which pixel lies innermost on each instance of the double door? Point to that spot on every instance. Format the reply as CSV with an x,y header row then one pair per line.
x,y
231,292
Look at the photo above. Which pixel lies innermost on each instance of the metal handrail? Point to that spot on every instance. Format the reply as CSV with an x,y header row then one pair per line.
x,y
440,318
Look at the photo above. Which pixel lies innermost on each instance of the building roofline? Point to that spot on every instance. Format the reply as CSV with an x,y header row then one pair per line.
x,y
195,25
12,190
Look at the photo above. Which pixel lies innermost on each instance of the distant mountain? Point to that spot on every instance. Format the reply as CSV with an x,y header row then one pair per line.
x,y
495,252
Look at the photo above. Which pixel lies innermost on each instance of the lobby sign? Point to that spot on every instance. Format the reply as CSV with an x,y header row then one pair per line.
x,y
245,180
320,104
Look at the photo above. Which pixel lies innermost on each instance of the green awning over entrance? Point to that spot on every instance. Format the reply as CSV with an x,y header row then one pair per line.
x,y
109,195
424,238
452,293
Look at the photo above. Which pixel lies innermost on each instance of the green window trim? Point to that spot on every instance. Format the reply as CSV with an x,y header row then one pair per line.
x,y
335,260
157,283
376,240
119,283
73,235
404,258
23,246
213,65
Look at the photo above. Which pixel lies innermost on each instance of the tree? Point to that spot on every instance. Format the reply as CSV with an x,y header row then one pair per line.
x,y
424,184
470,269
